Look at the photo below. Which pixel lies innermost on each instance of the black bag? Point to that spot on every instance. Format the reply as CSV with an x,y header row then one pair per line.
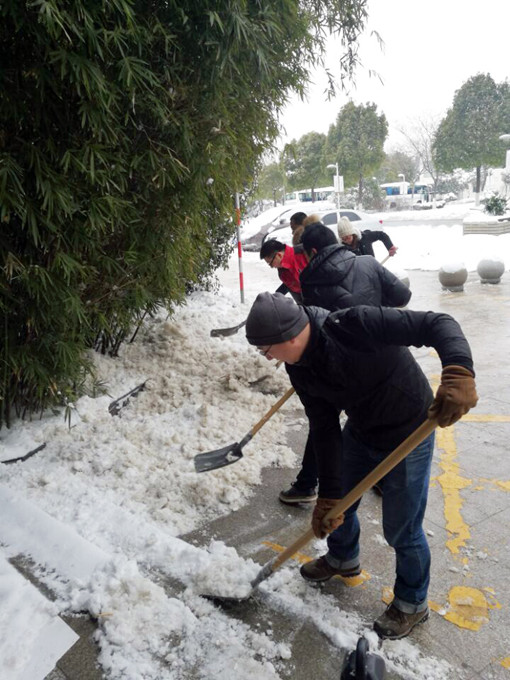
x,y
363,665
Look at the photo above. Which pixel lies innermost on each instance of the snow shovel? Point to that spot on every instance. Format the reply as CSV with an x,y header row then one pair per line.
x,y
218,332
231,454
224,332
393,459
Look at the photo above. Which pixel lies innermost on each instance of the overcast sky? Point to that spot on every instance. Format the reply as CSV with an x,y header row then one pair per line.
x,y
431,49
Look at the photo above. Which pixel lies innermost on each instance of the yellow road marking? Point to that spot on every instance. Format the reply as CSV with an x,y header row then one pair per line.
x,y
484,418
451,484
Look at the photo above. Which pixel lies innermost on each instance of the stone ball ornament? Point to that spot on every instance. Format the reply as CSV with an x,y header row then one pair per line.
x,y
453,276
490,270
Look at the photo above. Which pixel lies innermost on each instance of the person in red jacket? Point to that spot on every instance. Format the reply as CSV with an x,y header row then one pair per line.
x,y
288,263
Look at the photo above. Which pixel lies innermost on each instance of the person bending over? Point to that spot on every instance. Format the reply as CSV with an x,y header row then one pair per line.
x,y
357,360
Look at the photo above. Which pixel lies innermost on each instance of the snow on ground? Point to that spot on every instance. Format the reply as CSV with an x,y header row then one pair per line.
x,y
101,508
422,246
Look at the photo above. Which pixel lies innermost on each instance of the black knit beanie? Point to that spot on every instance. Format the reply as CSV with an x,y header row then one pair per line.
x,y
274,318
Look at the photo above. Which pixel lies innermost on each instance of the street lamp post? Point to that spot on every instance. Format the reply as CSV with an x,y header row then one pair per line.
x,y
334,166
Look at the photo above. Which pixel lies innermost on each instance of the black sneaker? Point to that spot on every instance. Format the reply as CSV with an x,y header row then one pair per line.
x,y
297,495
321,570
395,624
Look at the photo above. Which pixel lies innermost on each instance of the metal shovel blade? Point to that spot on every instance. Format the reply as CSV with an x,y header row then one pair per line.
x,y
219,458
218,332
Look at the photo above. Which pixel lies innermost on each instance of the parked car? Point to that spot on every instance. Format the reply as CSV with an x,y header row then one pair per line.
x,y
283,219
358,218
330,218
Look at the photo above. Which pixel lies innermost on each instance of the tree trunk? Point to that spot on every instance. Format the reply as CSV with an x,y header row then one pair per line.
x,y
360,191
478,184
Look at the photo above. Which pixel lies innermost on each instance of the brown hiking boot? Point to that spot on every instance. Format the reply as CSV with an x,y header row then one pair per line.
x,y
395,624
320,570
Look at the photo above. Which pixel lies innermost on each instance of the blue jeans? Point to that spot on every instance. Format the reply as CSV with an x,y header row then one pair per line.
x,y
404,500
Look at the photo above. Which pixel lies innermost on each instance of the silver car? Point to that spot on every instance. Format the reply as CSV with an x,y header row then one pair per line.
x,y
330,218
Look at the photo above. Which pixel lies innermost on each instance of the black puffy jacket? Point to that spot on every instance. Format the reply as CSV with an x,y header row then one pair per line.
x,y
364,245
336,278
358,361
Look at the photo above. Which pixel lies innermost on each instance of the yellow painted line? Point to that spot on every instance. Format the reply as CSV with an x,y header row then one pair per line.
x,y
468,608
299,557
484,418
451,484
302,558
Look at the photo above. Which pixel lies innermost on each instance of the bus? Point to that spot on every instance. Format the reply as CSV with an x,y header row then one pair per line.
x,y
305,195
407,195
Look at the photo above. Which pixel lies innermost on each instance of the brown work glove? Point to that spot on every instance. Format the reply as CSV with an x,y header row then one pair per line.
x,y
455,395
322,528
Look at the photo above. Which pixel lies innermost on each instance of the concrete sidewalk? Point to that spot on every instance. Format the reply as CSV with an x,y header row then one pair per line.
x,y
467,521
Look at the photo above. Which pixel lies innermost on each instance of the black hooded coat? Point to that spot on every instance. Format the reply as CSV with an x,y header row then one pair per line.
x,y
336,278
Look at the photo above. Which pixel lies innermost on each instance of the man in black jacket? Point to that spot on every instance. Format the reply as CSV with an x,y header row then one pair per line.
x,y
335,278
360,242
357,360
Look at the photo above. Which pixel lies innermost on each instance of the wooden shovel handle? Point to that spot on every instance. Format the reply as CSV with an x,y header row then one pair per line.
x,y
393,459
272,411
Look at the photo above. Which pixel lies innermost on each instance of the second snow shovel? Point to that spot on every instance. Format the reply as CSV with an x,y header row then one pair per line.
x,y
232,330
393,459
231,454
219,332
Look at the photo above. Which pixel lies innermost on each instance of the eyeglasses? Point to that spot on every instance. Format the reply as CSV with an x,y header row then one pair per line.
x,y
270,263
263,351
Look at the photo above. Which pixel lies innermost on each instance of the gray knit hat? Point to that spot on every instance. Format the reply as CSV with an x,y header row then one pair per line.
x,y
274,318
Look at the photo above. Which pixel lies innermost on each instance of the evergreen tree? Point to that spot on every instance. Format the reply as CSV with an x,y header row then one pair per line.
x,y
125,127
468,136
303,161
270,180
356,142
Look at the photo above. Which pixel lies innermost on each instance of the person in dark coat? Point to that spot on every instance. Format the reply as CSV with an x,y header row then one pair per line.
x,y
335,278
360,242
357,360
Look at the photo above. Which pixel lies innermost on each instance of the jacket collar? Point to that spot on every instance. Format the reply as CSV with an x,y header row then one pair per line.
x,y
317,317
